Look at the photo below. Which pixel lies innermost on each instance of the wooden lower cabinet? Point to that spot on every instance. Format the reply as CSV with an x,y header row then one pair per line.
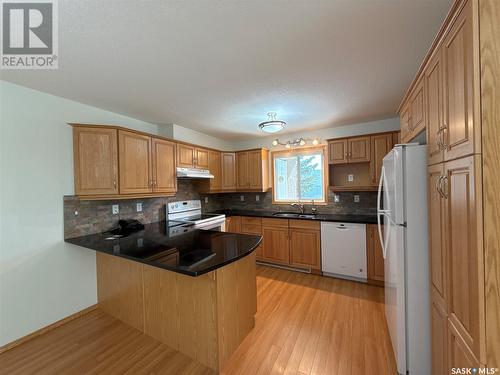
x,y
459,353
276,244
253,225
439,337
305,244
374,256
233,224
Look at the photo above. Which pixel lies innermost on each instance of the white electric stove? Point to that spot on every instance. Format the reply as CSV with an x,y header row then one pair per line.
x,y
189,212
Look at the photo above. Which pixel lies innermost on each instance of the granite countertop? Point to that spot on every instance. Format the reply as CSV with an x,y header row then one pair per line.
x,y
192,253
343,218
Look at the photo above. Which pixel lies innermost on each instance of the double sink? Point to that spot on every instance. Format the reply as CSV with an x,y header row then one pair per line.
x,y
294,215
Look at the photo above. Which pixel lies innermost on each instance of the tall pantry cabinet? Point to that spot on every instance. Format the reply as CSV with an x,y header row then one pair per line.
x,y
461,83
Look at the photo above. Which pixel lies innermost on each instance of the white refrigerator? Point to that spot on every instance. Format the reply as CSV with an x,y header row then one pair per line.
x,y
402,205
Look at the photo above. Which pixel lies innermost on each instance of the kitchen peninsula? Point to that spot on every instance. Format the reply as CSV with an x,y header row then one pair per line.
x,y
193,291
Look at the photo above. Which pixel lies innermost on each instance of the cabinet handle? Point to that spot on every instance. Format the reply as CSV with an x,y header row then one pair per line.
x,y
114,184
154,183
438,186
438,139
443,129
444,187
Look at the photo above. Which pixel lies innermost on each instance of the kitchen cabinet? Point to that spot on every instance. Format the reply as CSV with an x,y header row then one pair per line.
x,y
374,256
404,121
433,79
95,160
276,243
413,114
163,166
228,171
439,338
459,88
305,244
253,225
134,155
459,353
252,170
337,151
349,150
215,167
233,224
461,187
381,144
189,156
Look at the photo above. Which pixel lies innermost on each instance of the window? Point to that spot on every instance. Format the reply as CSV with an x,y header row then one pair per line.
x,y
299,175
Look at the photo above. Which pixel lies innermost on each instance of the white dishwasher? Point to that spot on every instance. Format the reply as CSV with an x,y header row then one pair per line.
x,y
343,250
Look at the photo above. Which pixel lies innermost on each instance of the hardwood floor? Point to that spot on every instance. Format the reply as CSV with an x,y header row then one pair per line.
x,y
305,324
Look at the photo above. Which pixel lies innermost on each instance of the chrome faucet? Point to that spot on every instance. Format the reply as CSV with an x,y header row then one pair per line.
x,y
299,205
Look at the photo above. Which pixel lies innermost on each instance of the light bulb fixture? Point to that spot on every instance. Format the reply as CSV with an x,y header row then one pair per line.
x,y
295,142
272,125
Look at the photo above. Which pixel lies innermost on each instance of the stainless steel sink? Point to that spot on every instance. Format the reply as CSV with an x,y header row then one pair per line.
x,y
294,215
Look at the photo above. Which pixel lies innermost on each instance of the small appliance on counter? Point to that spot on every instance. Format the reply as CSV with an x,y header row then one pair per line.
x,y
127,226
189,212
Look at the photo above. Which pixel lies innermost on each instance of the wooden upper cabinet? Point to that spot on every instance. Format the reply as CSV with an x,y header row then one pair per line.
x,y
163,166
214,165
185,155
228,171
255,174
374,256
464,253
242,169
417,114
381,144
459,88
276,244
337,151
201,158
134,163
433,81
95,160
359,149
405,124
437,233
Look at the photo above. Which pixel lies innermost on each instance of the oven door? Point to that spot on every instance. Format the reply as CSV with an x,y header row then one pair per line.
x,y
217,225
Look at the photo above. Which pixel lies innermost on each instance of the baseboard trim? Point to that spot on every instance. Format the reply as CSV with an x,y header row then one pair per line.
x,y
46,329
283,267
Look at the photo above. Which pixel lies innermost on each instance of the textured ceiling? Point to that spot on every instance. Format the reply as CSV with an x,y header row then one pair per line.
x,y
220,66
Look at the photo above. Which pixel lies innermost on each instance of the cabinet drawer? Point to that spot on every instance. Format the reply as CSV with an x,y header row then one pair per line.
x,y
305,224
251,228
251,220
270,222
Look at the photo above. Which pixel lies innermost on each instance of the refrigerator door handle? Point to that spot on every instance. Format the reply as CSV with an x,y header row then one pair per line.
x,y
380,212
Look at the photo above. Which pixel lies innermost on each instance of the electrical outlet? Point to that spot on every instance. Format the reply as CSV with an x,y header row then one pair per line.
x,y
206,199
242,198
138,207
77,213
115,209
140,242
257,198
356,198
350,177
336,198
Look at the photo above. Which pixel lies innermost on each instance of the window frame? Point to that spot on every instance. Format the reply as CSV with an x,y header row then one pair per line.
x,y
296,152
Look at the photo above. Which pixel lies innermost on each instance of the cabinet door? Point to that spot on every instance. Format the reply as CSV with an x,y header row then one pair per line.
x,y
242,169
276,245
164,167
135,163
433,79
253,229
305,248
201,158
359,149
465,263
185,155
214,165
437,232
380,146
228,171
375,259
459,87
439,338
405,124
255,169
417,114
337,151
95,154
233,224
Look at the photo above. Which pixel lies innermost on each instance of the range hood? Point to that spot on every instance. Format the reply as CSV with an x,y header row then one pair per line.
x,y
193,173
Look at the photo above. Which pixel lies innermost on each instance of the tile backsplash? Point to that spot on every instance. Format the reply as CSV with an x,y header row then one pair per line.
x,y
87,217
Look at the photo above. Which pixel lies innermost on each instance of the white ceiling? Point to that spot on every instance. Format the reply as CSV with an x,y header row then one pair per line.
x,y
220,66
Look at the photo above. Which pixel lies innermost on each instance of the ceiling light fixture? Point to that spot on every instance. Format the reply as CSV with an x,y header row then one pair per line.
x,y
272,125
295,142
